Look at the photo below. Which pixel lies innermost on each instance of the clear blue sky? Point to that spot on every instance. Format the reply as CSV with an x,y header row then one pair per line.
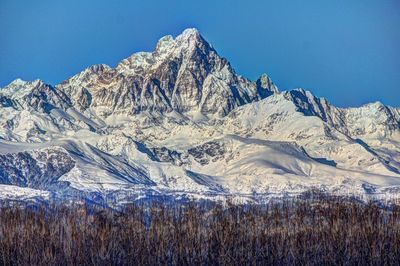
x,y
345,50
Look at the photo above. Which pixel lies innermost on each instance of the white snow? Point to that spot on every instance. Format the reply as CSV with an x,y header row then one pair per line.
x,y
281,145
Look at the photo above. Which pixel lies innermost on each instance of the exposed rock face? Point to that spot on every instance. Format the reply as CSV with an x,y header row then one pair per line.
x,y
209,151
35,169
34,95
184,74
374,118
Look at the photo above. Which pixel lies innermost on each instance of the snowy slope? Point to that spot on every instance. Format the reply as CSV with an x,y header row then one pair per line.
x,y
179,122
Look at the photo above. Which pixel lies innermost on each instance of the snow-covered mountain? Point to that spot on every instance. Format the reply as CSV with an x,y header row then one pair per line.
x,y
180,122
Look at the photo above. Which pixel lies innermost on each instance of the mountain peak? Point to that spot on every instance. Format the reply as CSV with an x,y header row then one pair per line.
x,y
166,47
17,82
20,82
190,39
183,74
265,82
189,33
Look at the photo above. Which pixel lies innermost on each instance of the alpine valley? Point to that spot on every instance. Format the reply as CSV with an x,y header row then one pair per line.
x,y
179,123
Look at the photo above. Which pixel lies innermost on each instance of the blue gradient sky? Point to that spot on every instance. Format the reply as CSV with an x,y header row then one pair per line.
x,y
346,51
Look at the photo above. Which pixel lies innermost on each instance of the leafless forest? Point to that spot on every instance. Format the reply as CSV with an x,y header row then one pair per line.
x,y
311,232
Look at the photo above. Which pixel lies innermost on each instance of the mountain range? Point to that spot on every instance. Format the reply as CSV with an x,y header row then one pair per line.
x,y
180,123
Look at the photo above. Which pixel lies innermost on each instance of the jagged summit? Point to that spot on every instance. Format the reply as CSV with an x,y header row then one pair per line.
x,y
190,35
17,82
189,32
183,74
186,42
